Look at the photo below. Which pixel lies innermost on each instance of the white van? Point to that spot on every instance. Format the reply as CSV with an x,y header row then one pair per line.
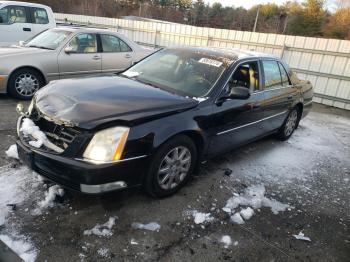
x,y
20,21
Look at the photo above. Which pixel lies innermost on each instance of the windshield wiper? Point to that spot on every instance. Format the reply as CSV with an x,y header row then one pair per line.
x,y
41,47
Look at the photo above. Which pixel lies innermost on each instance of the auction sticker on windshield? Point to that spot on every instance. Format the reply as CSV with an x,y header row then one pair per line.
x,y
211,62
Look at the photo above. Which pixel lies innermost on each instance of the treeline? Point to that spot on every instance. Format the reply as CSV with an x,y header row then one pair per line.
x,y
309,18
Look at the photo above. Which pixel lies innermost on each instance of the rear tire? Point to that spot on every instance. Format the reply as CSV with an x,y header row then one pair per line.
x,y
289,125
171,167
23,83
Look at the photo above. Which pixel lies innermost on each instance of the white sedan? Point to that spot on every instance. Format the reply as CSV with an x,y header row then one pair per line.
x,y
65,52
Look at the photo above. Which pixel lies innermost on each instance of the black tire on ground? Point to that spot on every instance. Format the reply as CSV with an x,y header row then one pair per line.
x,y
29,75
289,125
183,145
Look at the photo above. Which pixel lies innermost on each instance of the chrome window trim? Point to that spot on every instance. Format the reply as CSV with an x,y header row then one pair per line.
x,y
252,123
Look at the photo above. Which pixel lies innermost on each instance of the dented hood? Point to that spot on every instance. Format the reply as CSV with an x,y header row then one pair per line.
x,y
89,102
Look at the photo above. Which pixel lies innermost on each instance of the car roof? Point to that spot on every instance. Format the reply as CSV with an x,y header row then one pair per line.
x,y
87,29
23,4
228,53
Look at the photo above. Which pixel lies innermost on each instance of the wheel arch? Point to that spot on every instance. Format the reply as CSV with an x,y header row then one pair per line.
x,y
197,138
28,67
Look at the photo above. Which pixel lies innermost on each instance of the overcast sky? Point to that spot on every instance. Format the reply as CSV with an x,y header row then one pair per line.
x,y
250,3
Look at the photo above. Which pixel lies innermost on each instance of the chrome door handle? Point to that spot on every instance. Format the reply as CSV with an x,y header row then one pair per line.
x,y
127,56
96,57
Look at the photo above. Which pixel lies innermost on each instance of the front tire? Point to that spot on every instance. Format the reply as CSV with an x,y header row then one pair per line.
x,y
171,167
23,83
289,125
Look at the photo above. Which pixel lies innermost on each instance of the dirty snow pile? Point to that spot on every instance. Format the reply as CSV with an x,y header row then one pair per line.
x,y
252,198
24,249
153,226
12,152
102,230
50,197
200,218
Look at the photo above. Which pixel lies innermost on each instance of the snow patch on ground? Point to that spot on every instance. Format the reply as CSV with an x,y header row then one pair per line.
x,y
200,217
153,226
103,252
12,152
49,200
226,240
21,247
237,219
16,186
247,213
301,236
102,230
254,196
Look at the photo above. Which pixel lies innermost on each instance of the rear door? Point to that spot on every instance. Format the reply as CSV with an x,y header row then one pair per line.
x,y
14,24
116,54
83,57
279,93
40,20
237,121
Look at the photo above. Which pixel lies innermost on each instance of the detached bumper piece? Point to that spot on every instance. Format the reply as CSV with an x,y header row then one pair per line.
x,y
83,176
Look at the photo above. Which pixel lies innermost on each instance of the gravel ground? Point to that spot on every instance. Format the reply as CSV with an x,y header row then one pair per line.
x,y
310,173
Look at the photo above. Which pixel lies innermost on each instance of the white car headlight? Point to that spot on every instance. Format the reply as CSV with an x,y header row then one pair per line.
x,y
107,145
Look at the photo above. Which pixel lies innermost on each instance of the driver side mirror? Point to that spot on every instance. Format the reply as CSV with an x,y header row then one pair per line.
x,y
236,92
239,92
69,50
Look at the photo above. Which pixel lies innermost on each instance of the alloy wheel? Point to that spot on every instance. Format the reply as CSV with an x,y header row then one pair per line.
x,y
291,123
26,84
174,167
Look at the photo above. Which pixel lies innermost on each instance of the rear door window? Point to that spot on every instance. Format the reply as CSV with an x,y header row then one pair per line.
x,y
272,74
13,15
39,16
113,44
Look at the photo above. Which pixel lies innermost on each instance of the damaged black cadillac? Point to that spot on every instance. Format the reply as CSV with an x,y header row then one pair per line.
x,y
153,124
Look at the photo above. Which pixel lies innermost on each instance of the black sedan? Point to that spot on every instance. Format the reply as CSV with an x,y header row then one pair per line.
x,y
153,124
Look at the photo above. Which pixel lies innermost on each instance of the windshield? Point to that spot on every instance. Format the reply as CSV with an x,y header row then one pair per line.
x,y
49,39
187,72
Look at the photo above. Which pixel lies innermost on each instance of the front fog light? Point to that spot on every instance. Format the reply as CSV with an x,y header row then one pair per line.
x,y
107,145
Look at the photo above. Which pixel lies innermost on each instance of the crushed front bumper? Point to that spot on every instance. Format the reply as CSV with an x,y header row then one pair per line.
x,y
83,176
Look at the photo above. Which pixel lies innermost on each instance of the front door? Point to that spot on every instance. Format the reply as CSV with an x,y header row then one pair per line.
x,y
116,54
80,57
237,121
14,25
